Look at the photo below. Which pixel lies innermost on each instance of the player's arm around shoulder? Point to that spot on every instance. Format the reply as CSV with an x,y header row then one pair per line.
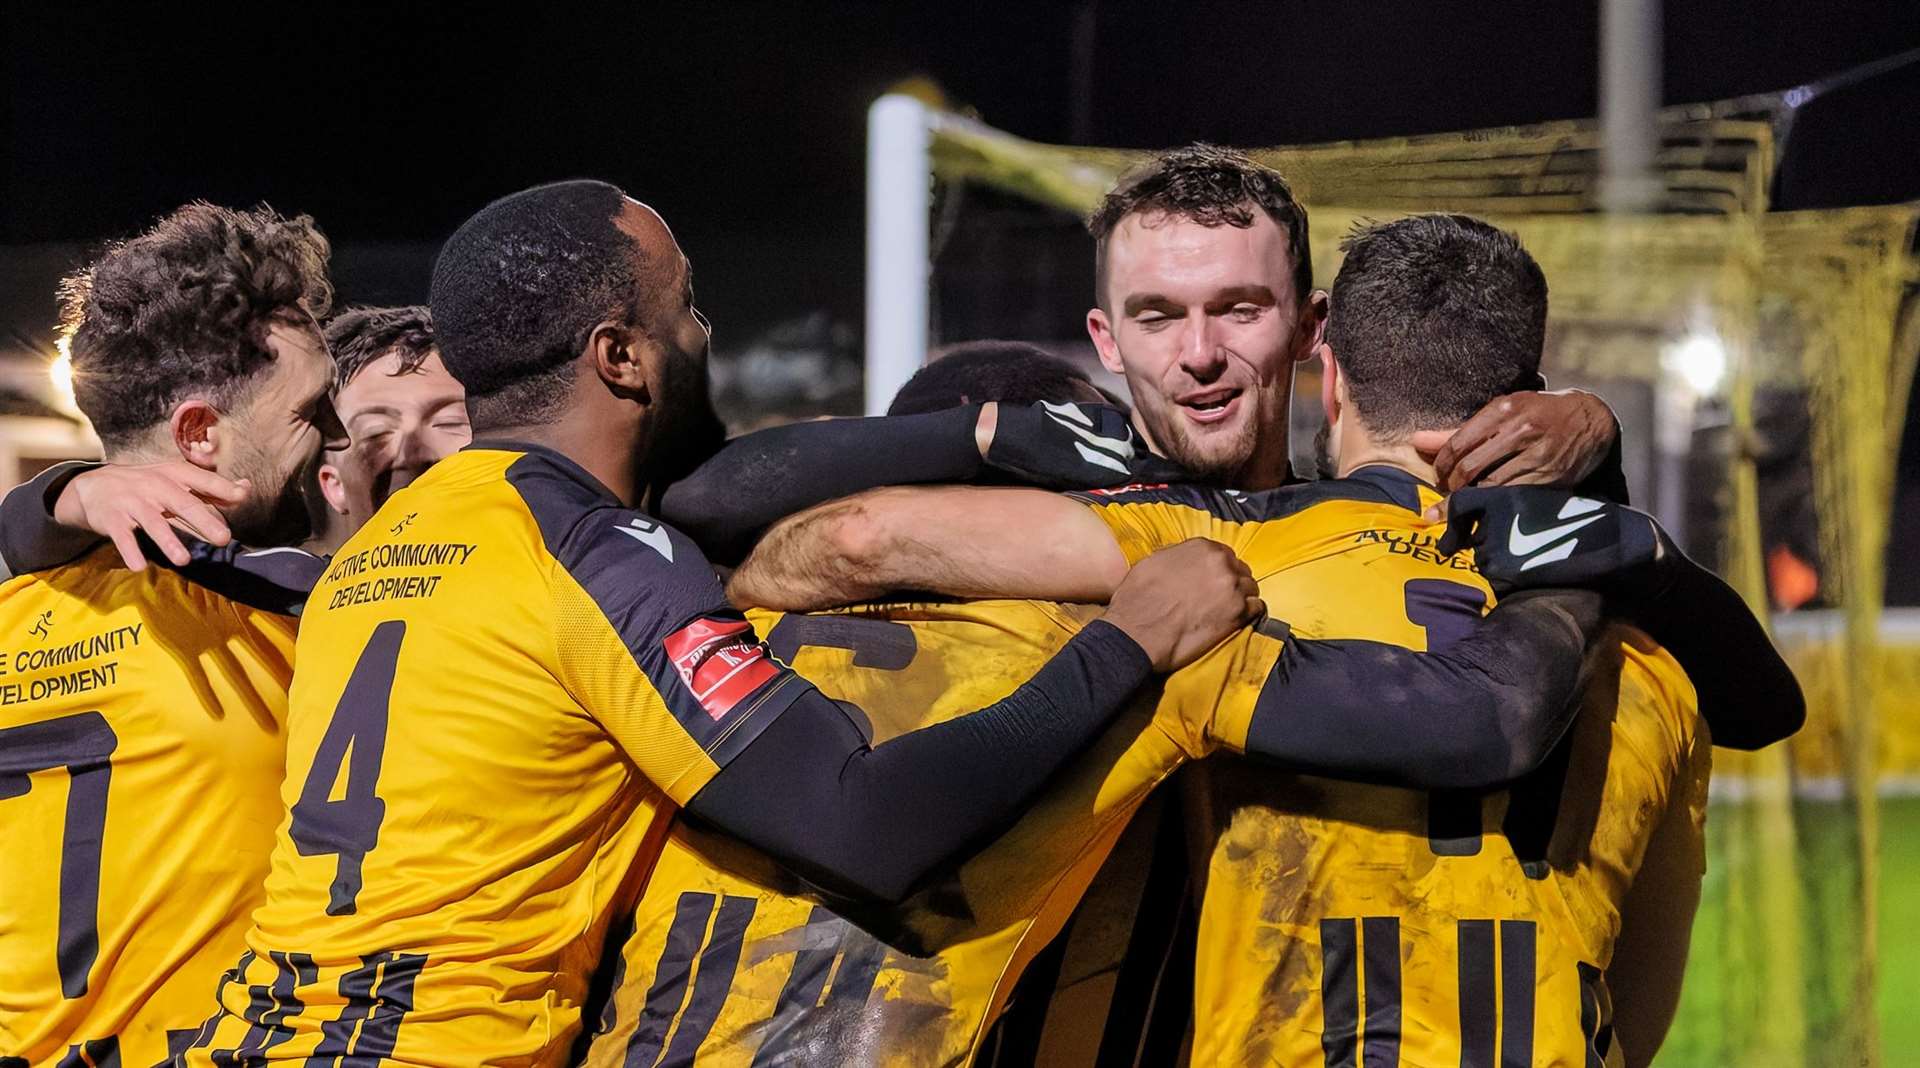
x,y
960,541
71,507
1366,710
869,821
1527,537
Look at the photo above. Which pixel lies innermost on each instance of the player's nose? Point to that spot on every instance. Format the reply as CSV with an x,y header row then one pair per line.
x,y
333,433
1200,352
412,452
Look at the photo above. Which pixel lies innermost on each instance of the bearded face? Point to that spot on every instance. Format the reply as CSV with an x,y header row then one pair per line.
x,y
1205,324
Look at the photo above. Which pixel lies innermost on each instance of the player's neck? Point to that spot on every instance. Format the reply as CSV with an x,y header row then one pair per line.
x,y
1266,470
1358,451
597,451
156,446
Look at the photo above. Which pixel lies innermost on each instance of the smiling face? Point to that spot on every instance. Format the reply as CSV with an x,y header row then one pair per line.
x,y
1205,324
401,420
277,432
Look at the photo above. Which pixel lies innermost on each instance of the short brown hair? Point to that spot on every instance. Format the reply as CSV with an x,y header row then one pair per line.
x,y
1433,317
358,336
186,306
1212,186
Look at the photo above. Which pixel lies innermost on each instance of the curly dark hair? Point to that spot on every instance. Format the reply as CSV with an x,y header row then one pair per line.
x,y
185,308
1433,317
359,336
522,284
1212,186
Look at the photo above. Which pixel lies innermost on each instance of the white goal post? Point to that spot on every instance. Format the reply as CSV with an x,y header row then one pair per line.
x,y
899,200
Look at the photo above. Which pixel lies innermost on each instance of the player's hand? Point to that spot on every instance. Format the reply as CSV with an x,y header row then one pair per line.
x,y
1059,446
1182,601
122,501
1524,537
1551,439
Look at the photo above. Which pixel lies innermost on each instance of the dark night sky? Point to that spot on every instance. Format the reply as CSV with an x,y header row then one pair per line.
x,y
744,122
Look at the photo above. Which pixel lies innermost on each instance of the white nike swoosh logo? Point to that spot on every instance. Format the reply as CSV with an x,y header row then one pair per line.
x,y
1560,552
1521,543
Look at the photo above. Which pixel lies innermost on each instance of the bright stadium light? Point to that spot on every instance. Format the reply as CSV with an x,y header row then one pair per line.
x,y
61,372
1700,360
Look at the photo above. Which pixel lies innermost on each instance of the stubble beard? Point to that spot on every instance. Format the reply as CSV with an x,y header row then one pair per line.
x,y
283,519
1221,457
691,430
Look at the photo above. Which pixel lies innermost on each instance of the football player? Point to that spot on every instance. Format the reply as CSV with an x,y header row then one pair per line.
x,y
142,712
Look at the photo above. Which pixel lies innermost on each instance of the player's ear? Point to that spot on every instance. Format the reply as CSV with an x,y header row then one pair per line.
x,y
332,489
1311,331
1332,383
198,433
620,355
1100,329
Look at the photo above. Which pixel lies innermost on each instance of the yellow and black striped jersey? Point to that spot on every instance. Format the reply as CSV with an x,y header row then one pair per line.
x,y
507,682
732,962
142,719
1344,923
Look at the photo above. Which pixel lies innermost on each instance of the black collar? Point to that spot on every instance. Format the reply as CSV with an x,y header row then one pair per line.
x,y
553,458
1401,487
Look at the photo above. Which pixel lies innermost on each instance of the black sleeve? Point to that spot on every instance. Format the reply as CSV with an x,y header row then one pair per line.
x,y
1484,711
1747,693
1608,481
763,477
871,821
276,580
29,538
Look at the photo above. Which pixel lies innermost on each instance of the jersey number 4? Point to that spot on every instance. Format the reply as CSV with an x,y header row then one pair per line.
x,y
357,738
83,744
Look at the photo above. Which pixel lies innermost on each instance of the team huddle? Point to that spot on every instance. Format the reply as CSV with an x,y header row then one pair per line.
x,y
439,686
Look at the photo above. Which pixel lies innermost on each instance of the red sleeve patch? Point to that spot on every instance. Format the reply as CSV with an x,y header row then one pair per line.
x,y
718,662
1131,487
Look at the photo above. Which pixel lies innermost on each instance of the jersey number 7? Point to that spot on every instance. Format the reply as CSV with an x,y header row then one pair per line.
x,y
82,743
356,737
